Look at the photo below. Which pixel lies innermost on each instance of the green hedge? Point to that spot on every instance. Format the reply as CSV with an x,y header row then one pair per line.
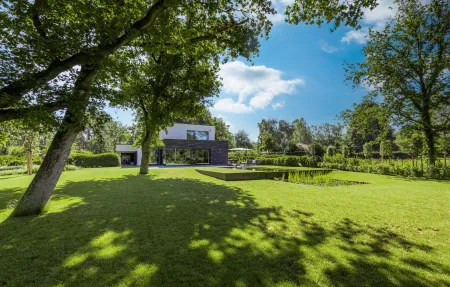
x,y
388,167
282,160
94,160
14,160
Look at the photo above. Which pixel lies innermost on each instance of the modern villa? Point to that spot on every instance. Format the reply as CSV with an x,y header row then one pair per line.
x,y
184,144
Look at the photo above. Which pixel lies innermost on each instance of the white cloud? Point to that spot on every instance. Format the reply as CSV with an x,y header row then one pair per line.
x,y
261,83
327,48
280,7
359,36
375,19
278,105
230,125
276,18
230,106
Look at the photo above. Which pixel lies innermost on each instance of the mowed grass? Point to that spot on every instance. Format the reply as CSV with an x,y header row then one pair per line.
x,y
176,227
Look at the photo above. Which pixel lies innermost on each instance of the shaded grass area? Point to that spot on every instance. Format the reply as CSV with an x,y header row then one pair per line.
x,y
111,227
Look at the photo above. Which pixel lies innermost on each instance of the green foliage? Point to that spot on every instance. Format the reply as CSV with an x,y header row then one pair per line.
x,y
94,160
22,170
345,150
407,63
301,132
316,149
386,149
331,150
274,159
12,160
267,142
275,135
368,121
327,134
242,140
404,168
15,150
368,150
320,178
319,12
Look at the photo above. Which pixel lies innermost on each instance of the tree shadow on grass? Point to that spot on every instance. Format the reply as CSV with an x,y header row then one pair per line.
x,y
177,232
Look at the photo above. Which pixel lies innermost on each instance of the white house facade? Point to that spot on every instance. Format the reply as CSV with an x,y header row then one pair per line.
x,y
184,144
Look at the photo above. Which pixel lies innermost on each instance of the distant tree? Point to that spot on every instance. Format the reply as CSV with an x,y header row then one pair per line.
x,y
327,134
386,149
345,150
408,62
242,140
410,141
284,135
368,149
331,150
444,146
316,149
267,142
301,132
280,131
31,147
366,122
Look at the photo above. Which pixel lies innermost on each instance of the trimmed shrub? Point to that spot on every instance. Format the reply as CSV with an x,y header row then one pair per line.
x,y
16,162
94,160
12,160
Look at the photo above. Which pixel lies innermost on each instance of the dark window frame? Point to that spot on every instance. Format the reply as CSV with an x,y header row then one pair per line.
x,y
194,134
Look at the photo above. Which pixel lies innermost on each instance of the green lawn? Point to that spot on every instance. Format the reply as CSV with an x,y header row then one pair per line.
x,y
177,227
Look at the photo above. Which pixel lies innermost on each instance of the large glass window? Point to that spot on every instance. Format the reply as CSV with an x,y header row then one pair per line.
x,y
177,156
198,135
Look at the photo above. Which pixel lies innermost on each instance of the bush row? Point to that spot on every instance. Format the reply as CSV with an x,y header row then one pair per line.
x,y
437,172
307,161
22,170
94,160
14,160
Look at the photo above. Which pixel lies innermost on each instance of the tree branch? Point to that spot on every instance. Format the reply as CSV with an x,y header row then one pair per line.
x,y
35,17
213,35
13,92
20,113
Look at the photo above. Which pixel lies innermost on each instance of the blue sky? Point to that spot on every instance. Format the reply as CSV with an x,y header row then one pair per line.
x,y
298,73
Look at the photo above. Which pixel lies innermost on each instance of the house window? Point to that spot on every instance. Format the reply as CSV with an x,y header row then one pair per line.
x,y
198,135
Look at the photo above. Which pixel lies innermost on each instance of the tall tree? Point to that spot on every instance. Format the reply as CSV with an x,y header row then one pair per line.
x,y
408,63
165,88
327,134
367,122
54,49
242,139
301,132
72,42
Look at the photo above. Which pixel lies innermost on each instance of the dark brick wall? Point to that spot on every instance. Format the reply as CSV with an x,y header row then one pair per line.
x,y
218,149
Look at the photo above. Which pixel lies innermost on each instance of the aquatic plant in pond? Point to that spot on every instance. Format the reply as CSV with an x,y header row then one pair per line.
x,y
319,178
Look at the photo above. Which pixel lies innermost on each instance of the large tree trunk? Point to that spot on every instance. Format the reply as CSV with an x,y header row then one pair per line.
x,y
145,153
41,187
43,184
